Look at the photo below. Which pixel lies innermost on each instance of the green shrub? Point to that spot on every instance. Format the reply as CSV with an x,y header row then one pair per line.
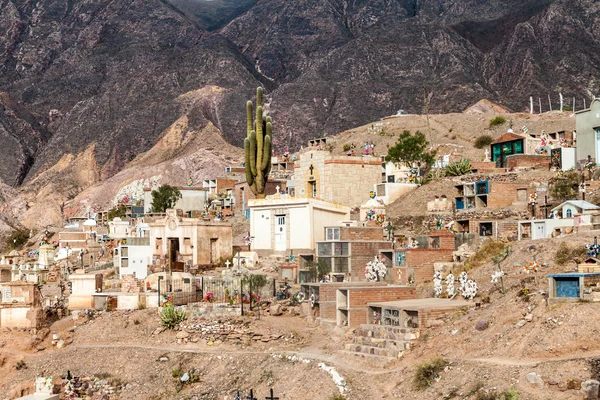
x,y
428,372
499,120
170,317
459,168
337,397
347,147
483,141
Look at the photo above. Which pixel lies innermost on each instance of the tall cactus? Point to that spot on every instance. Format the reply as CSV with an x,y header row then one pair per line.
x,y
257,147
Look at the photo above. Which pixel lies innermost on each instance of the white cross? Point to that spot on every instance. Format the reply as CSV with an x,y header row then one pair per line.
x,y
277,188
227,263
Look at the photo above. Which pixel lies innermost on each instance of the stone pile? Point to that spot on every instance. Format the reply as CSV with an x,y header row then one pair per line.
x,y
231,330
510,177
95,387
129,284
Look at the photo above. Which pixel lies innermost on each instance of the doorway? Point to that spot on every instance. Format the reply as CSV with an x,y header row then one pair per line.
x,y
214,251
280,233
173,252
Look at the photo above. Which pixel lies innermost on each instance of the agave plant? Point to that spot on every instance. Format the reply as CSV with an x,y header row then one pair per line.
x,y
458,168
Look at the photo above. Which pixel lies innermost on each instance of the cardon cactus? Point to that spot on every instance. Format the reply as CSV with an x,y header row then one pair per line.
x,y
257,147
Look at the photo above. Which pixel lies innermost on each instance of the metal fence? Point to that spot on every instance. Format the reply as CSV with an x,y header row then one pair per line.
x,y
215,290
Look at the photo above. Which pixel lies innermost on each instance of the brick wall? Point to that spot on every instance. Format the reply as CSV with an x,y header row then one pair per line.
x,y
363,252
422,261
360,296
528,161
327,295
361,233
502,194
64,236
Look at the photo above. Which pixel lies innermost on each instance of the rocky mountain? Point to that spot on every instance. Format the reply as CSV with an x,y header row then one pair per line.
x,y
108,75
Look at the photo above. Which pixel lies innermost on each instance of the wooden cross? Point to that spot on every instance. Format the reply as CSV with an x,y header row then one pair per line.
x,y
251,397
271,397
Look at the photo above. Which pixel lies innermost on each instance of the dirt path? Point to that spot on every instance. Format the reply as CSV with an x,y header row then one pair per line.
x,y
307,354
530,363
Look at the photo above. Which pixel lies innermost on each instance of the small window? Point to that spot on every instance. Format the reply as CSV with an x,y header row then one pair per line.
x,y
569,213
332,234
485,229
314,189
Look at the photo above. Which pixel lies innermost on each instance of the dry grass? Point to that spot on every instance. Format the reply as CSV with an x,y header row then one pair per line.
x,y
486,252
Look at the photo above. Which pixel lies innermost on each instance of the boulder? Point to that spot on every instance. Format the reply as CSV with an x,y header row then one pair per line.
x,y
521,323
590,389
182,335
529,317
275,309
534,379
482,325
573,384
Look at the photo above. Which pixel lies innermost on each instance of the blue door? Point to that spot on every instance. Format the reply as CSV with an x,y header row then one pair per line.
x,y
567,287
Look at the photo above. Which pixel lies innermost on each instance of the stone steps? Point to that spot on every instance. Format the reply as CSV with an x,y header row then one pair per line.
x,y
373,351
381,341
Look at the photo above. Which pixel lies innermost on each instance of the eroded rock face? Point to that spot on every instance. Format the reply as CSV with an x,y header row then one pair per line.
x,y
111,73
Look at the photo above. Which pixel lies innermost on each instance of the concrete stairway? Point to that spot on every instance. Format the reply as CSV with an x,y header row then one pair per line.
x,y
382,341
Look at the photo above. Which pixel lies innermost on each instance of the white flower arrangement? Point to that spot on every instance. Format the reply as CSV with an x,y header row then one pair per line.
x,y
375,270
470,290
496,276
437,284
450,289
468,287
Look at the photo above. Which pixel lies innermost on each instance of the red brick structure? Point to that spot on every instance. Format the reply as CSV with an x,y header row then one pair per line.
x,y
351,302
326,295
534,161
419,261
348,249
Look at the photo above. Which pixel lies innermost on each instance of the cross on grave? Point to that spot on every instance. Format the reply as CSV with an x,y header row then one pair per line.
x,y
227,264
239,258
251,396
271,397
277,188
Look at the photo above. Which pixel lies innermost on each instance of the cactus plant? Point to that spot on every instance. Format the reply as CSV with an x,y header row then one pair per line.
x,y
459,168
257,146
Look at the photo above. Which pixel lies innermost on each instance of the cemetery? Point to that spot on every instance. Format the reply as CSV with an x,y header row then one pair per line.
x,y
330,271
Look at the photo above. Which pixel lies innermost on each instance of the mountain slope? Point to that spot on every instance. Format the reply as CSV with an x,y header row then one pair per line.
x,y
108,73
